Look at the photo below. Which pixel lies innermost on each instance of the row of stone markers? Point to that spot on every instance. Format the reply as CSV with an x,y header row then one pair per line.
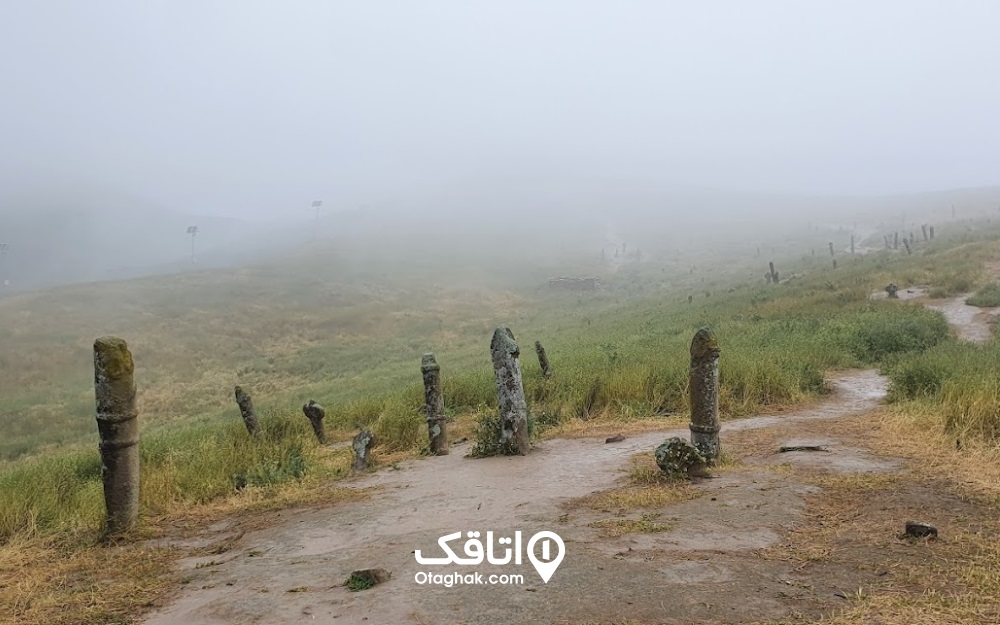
x,y
115,393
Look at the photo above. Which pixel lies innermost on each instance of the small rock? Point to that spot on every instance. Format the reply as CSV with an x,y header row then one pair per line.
x,y
617,438
787,448
919,529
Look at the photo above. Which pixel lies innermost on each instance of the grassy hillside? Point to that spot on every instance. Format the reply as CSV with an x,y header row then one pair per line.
x,y
347,328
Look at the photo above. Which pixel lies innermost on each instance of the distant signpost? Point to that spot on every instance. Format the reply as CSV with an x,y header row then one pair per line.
x,y
192,230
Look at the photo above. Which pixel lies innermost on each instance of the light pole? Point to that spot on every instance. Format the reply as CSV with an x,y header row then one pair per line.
x,y
192,230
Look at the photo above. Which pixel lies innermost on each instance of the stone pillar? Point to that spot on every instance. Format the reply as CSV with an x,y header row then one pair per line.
x,y
246,410
907,245
891,290
315,413
118,426
362,446
852,244
834,263
932,232
831,249
924,228
895,241
543,360
434,400
704,385
510,390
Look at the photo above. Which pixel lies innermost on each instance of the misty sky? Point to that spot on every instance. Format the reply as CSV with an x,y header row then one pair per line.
x,y
256,108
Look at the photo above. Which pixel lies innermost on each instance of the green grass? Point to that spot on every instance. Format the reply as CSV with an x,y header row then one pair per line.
x,y
986,297
355,346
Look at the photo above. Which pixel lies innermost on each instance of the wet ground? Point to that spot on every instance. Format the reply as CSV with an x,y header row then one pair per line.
x,y
701,562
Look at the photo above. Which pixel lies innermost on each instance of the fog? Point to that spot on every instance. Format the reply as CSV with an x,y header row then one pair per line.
x,y
140,118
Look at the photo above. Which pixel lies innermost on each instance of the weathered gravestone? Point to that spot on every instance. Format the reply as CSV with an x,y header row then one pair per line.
x,y
315,413
118,426
510,390
434,401
362,446
704,388
246,411
543,360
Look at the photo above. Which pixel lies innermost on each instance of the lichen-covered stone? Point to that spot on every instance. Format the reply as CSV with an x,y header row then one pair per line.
x,y
437,431
678,458
246,411
704,394
510,390
891,290
543,360
118,426
315,413
362,446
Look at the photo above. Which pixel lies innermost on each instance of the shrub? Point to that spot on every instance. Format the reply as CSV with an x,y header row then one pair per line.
x,y
986,297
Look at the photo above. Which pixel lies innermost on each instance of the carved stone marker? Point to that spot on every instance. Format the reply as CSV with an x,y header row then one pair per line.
x,y
891,290
907,245
924,228
543,360
931,232
895,241
362,446
852,244
118,426
246,411
831,249
315,413
510,390
434,400
834,263
704,384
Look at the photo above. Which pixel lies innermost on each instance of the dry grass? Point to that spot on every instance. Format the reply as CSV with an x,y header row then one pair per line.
x,y
645,524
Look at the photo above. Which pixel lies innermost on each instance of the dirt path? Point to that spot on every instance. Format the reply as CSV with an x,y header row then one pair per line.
x,y
701,562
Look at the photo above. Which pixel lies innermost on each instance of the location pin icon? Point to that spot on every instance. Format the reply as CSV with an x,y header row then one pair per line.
x,y
546,569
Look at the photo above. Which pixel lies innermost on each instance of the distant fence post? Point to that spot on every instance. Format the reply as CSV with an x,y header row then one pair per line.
x,y
118,426
704,385
510,390
543,360
315,413
434,399
246,410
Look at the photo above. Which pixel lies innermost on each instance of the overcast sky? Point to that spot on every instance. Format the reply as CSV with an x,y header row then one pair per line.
x,y
257,108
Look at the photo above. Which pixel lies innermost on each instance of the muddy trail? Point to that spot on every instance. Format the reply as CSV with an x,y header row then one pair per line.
x,y
699,559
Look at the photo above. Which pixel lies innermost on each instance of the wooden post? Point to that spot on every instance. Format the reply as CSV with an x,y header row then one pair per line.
x,y
434,400
118,426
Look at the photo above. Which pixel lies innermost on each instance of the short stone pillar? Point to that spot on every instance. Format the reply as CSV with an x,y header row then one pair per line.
x,y
118,426
434,400
852,244
891,290
543,360
924,228
931,232
704,385
362,446
895,241
246,411
831,249
906,244
315,413
510,390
